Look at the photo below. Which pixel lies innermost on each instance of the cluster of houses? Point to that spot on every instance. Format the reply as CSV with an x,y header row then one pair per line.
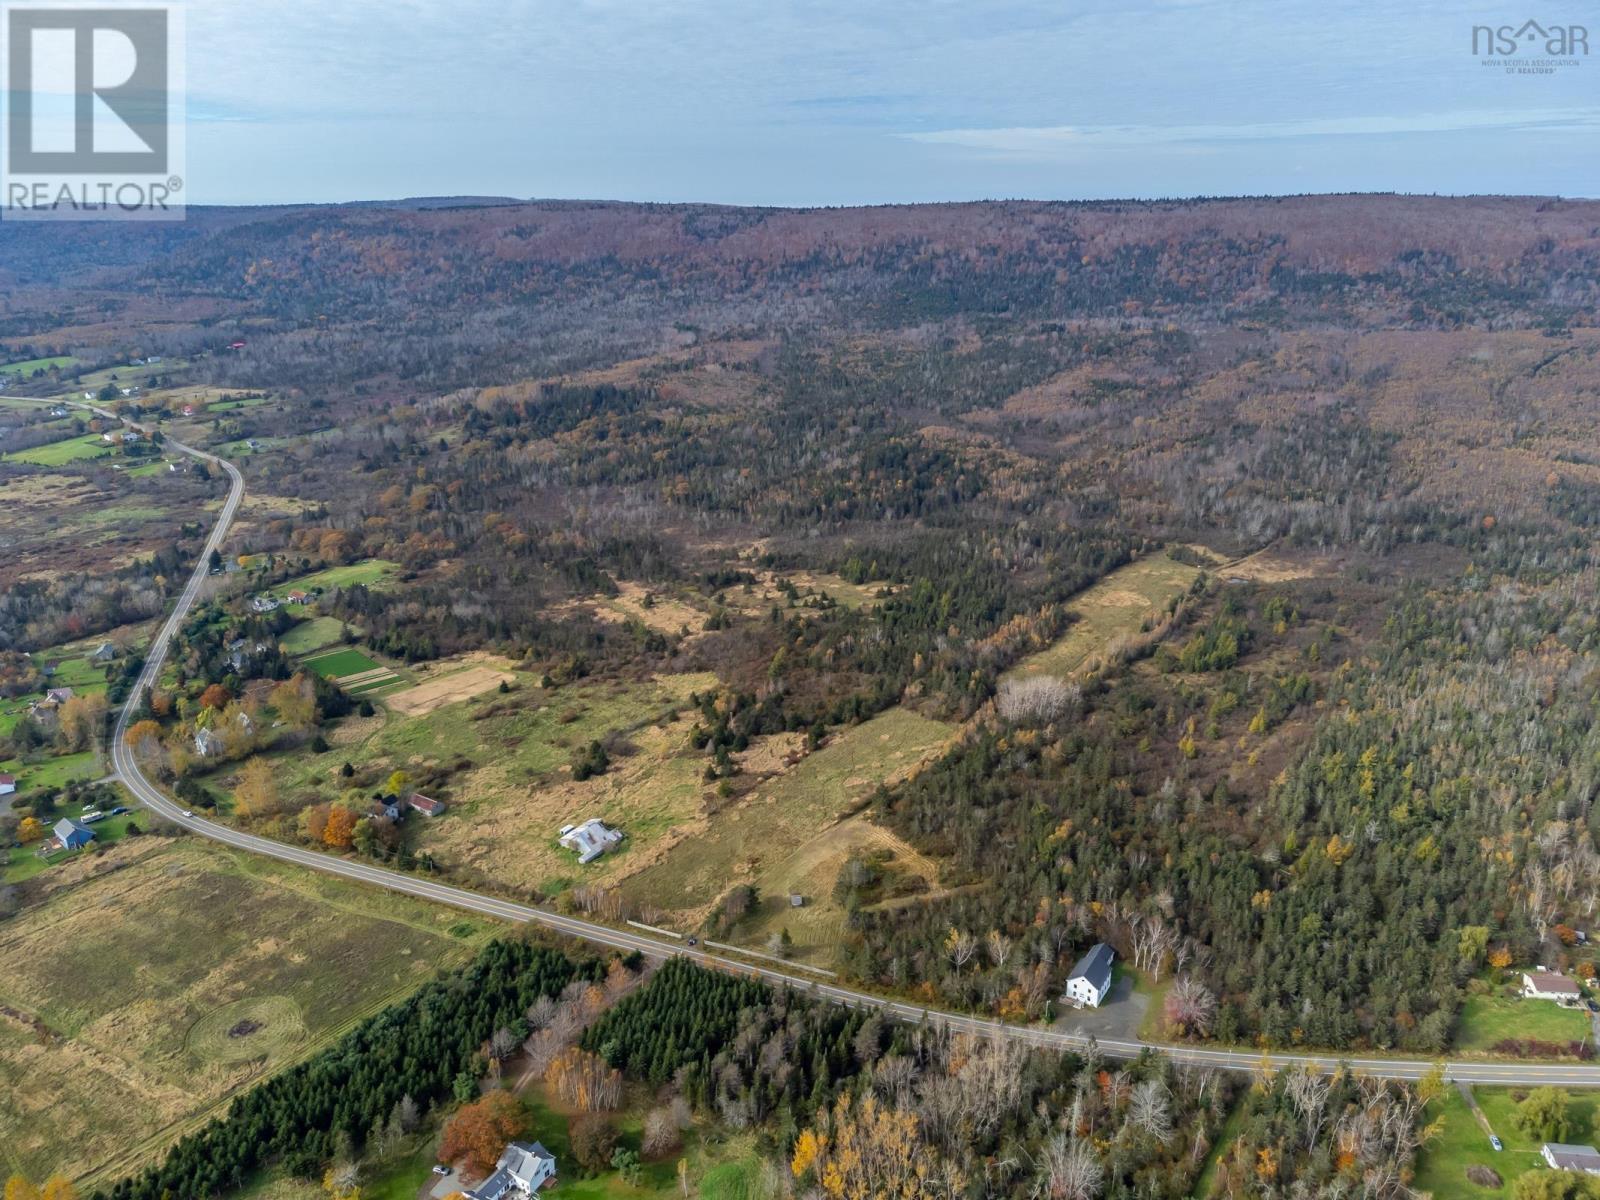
x,y
589,840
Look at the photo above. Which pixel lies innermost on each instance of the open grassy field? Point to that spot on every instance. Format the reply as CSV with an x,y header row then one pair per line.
x,y
1485,1020
29,365
369,571
515,793
68,450
759,833
56,771
136,1000
1113,608
1462,1143
309,636
340,663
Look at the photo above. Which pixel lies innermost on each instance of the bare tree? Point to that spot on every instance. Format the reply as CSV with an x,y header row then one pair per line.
x,y
1068,1169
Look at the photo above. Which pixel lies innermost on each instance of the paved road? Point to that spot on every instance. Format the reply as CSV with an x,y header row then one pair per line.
x,y
127,769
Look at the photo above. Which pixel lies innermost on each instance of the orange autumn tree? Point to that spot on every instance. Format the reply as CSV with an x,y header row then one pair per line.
x,y
479,1131
340,831
216,696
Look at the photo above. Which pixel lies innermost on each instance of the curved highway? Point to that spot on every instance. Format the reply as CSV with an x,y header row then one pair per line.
x,y
128,771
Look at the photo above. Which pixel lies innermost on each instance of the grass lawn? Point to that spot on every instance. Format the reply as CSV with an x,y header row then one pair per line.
x,y
1462,1143
51,772
341,662
1486,1020
67,450
369,572
312,635
146,974
29,365
1114,607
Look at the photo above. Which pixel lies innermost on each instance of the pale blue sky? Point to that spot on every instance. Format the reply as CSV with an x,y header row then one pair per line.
x,y
834,102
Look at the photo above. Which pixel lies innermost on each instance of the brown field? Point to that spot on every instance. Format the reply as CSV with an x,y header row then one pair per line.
x,y
123,994
815,928
758,834
447,689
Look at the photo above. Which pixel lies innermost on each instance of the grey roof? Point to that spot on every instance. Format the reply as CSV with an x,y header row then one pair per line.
x,y
1095,966
1571,1149
66,827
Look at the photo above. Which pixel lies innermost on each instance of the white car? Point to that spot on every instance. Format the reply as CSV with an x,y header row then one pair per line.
x,y
187,813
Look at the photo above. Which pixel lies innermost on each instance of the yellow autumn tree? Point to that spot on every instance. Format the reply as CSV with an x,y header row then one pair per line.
x,y
18,1188
868,1149
58,1187
257,793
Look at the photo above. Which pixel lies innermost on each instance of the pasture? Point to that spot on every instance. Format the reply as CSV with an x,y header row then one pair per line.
x,y
311,635
756,836
67,450
369,572
137,1000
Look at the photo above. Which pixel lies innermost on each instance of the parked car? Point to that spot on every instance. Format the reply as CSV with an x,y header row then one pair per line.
x,y
694,941
1494,1140
441,1169
119,810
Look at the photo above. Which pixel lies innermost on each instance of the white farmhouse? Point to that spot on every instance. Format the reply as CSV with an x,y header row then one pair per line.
x,y
523,1169
1548,985
589,840
1090,981
1564,1156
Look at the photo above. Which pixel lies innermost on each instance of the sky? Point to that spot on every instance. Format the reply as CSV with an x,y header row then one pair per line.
x,y
875,101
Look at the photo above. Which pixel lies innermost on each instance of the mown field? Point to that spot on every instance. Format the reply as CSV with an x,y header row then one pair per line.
x,y
369,572
67,450
1486,1020
134,1001
1462,1142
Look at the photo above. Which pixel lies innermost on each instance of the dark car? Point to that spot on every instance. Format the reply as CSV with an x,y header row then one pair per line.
x,y
694,941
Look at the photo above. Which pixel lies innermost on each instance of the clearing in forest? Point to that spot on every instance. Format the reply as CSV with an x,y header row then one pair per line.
x,y
1116,607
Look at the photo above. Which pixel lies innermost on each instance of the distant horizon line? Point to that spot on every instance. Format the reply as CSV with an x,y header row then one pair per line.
x,y
485,200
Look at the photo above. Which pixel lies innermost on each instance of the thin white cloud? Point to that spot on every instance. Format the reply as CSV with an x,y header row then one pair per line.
x,y
1063,141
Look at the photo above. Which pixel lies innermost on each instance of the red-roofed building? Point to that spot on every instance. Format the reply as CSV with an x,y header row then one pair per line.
x,y
425,806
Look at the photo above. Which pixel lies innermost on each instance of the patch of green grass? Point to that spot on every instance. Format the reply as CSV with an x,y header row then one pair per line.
x,y
1485,1020
29,365
340,663
309,636
121,513
1442,1165
67,450
1229,1133
1113,608
369,572
51,772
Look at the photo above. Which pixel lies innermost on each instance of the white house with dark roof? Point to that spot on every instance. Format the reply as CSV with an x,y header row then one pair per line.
x,y
1549,985
1564,1156
523,1169
1090,981
589,840
8,784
